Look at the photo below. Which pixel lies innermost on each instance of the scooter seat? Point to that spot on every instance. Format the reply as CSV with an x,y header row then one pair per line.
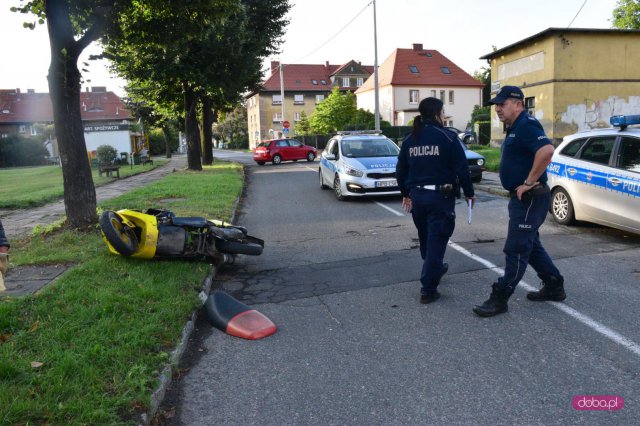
x,y
194,222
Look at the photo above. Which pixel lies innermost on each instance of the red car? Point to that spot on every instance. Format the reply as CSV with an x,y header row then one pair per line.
x,y
279,150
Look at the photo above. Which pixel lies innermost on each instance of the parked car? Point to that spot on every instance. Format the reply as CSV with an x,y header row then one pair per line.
x,y
475,161
467,136
595,176
357,164
279,150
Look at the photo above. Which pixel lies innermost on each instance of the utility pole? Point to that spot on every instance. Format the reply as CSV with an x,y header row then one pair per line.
x,y
282,93
375,68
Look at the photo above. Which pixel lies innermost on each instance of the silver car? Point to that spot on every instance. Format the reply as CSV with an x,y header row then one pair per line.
x,y
595,176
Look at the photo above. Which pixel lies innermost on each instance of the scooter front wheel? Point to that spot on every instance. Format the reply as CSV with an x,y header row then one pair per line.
x,y
121,237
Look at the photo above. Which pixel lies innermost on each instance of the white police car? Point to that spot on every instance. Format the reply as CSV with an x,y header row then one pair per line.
x,y
595,176
357,164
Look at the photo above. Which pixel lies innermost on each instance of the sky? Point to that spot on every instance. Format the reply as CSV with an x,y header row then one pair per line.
x,y
319,31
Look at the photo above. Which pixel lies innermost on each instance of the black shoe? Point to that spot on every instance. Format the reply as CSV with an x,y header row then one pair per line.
x,y
428,298
496,304
552,289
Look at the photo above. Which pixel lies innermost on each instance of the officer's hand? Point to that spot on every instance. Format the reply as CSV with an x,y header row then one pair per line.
x,y
472,199
406,204
524,188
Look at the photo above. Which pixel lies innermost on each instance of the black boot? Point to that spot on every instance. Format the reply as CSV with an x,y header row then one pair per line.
x,y
496,304
552,289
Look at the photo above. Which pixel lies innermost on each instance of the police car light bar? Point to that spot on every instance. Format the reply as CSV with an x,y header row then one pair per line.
x,y
623,121
359,132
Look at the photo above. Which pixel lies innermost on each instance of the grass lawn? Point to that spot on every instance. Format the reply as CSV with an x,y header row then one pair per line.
x,y
89,347
36,186
491,155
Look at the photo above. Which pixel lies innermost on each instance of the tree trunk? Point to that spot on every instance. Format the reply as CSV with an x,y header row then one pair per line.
x,y
191,128
64,89
207,131
167,140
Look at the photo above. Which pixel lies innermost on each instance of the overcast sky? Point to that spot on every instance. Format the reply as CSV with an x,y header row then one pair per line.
x,y
462,30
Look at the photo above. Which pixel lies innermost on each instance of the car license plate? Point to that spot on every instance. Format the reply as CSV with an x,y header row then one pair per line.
x,y
386,183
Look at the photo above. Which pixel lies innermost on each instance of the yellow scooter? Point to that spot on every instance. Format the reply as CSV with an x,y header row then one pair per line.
x,y
159,234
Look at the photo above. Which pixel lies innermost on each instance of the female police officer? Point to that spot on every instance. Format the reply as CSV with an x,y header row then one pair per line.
x,y
430,163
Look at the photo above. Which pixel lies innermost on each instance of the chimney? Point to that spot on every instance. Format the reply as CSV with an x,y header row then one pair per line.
x,y
31,91
274,66
87,89
417,47
18,91
99,89
326,64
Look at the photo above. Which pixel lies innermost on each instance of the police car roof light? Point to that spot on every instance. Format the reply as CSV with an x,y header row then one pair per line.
x,y
359,132
623,121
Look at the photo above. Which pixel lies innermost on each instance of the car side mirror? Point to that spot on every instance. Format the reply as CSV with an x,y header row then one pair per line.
x,y
329,157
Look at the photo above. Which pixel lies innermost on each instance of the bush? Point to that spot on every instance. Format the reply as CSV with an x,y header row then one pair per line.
x,y
17,151
106,154
157,142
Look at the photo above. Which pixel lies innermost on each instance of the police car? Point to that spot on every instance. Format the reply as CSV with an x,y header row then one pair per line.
x,y
357,164
595,176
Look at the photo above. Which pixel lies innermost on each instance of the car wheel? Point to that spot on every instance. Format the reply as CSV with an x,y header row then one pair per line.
x,y
311,156
260,163
277,159
322,184
562,207
477,178
337,188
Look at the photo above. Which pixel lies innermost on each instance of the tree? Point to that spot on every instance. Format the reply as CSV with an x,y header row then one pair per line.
x,y
334,113
233,125
303,126
483,75
627,14
72,26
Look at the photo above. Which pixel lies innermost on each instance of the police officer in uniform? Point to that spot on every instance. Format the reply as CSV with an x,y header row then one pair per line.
x,y
430,163
526,152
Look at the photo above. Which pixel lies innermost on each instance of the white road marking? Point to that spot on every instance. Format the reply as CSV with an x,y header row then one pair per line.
x,y
580,317
397,213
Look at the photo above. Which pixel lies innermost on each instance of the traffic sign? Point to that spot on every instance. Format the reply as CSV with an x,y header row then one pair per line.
x,y
285,131
286,124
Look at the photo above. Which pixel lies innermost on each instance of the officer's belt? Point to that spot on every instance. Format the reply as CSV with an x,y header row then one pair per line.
x,y
538,189
445,187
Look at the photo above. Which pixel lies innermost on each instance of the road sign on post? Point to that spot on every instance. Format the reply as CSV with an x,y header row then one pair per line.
x,y
285,131
286,124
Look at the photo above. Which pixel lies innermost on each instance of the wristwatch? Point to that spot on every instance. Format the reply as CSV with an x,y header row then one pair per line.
x,y
525,183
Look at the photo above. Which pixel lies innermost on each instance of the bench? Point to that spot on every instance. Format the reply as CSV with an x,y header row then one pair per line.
x,y
144,160
108,169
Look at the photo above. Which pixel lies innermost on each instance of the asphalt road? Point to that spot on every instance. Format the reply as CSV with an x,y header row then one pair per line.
x,y
354,345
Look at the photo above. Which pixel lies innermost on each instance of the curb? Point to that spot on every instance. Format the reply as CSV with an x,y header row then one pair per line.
x,y
166,376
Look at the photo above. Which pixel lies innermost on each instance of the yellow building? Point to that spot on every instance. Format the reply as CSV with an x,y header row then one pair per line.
x,y
573,79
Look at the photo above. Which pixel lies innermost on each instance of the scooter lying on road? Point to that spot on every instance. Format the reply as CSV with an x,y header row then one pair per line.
x,y
159,234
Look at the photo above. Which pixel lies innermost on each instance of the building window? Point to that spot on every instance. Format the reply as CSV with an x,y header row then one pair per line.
x,y
445,70
450,96
433,93
277,117
413,69
296,116
530,105
360,81
4,135
345,81
319,98
298,99
442,92
33,130
323,82
414,96
22,129
277,100
314,82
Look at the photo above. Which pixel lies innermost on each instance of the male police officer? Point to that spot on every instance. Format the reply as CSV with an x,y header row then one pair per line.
x,y
526,152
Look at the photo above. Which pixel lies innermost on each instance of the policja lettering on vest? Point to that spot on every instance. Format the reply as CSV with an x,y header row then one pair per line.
x,y
424,150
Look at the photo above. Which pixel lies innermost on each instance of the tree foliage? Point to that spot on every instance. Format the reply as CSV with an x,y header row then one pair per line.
x,y
333,113
626,15
303,126
232,127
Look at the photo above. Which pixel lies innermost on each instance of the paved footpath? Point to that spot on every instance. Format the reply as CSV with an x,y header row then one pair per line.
x,y
20,222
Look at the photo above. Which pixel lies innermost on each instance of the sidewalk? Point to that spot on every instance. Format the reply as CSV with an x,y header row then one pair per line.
x,y
491,184
21,222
